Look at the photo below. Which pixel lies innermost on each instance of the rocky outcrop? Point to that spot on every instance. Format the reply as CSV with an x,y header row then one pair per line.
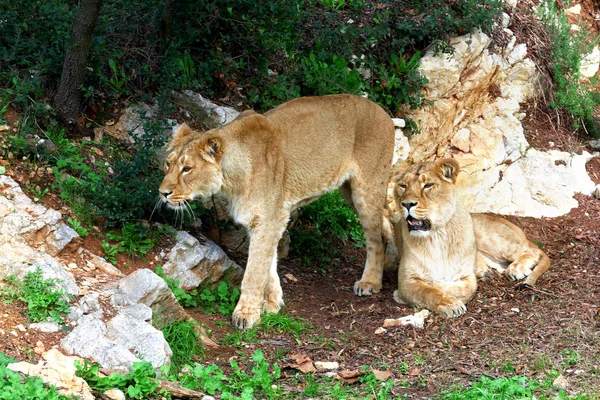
x,y
30,237
476,118
115,327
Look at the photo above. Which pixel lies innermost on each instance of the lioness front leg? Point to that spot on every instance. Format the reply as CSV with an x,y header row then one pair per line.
x,y
416,291
273,292
262,261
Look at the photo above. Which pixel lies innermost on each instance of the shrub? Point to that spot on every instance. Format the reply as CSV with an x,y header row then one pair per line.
x,y
572,94
41,296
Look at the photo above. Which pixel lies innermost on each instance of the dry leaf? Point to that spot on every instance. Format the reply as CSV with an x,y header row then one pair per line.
x,y
381,375
349,376
302,363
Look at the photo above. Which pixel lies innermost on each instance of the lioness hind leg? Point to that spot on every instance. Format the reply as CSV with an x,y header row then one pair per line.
x,y
369,207
390,260
273,291
531,264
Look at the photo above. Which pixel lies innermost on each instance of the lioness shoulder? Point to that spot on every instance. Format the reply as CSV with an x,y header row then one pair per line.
x,y
269,164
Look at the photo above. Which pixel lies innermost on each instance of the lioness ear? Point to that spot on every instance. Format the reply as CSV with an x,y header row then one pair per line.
x,y
214,147
450,168
180,135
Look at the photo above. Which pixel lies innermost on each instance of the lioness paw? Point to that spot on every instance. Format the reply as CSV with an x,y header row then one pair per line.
x,y
452,308
362,288
517,271
245,317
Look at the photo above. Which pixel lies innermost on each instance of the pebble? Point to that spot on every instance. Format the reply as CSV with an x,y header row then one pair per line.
x,y
326,365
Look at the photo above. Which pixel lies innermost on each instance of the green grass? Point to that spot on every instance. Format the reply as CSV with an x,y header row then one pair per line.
x,y
184,340
44,300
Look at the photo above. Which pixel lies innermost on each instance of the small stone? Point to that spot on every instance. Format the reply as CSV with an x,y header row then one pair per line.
x,y
381,330
14,333
561,383
596,192
21,328
291,277
517,310
326,365
114,394
575,10
45,326
39,347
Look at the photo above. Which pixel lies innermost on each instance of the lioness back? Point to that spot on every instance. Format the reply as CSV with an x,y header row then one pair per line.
x,y
327,134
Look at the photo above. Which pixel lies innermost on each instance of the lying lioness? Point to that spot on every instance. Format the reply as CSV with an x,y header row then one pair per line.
x,y
268,165
443,248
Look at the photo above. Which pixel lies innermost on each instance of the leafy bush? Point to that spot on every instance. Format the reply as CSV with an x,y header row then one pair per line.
x,y
320,224
570,92
41,296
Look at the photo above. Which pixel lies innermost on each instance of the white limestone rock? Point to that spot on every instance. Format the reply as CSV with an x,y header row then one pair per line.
x,y
193,262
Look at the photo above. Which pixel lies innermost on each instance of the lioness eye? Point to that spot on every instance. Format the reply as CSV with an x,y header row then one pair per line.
x,y
402,185
186,169
427,185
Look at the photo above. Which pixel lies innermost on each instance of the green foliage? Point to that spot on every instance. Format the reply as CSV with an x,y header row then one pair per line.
x,y
77,227
220,299
43,299
140,383
320,224
13,386
110,252
517,387
570,92
259,383
134,239
184,341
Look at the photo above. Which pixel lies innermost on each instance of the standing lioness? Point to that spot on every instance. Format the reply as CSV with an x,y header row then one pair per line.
x,y
268,165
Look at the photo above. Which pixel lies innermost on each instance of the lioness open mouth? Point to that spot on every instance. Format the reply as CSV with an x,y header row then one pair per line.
x,y
417,224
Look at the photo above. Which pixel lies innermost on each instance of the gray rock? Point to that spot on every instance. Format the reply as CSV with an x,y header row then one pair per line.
x,y
138,311
594,144
208,113
88,340
145,287
60,238
192,262
147,342
45,326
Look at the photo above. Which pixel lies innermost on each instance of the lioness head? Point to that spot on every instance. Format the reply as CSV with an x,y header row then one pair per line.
x,y
425,194
192,167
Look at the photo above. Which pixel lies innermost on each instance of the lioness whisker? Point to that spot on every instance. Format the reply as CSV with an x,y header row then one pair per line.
x,y
157,204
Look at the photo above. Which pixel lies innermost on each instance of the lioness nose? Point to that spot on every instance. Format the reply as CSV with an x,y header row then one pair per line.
x,y
408,205
165,193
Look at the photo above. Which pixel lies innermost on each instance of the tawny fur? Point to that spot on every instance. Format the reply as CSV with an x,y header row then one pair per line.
x,y
438,268
268,165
